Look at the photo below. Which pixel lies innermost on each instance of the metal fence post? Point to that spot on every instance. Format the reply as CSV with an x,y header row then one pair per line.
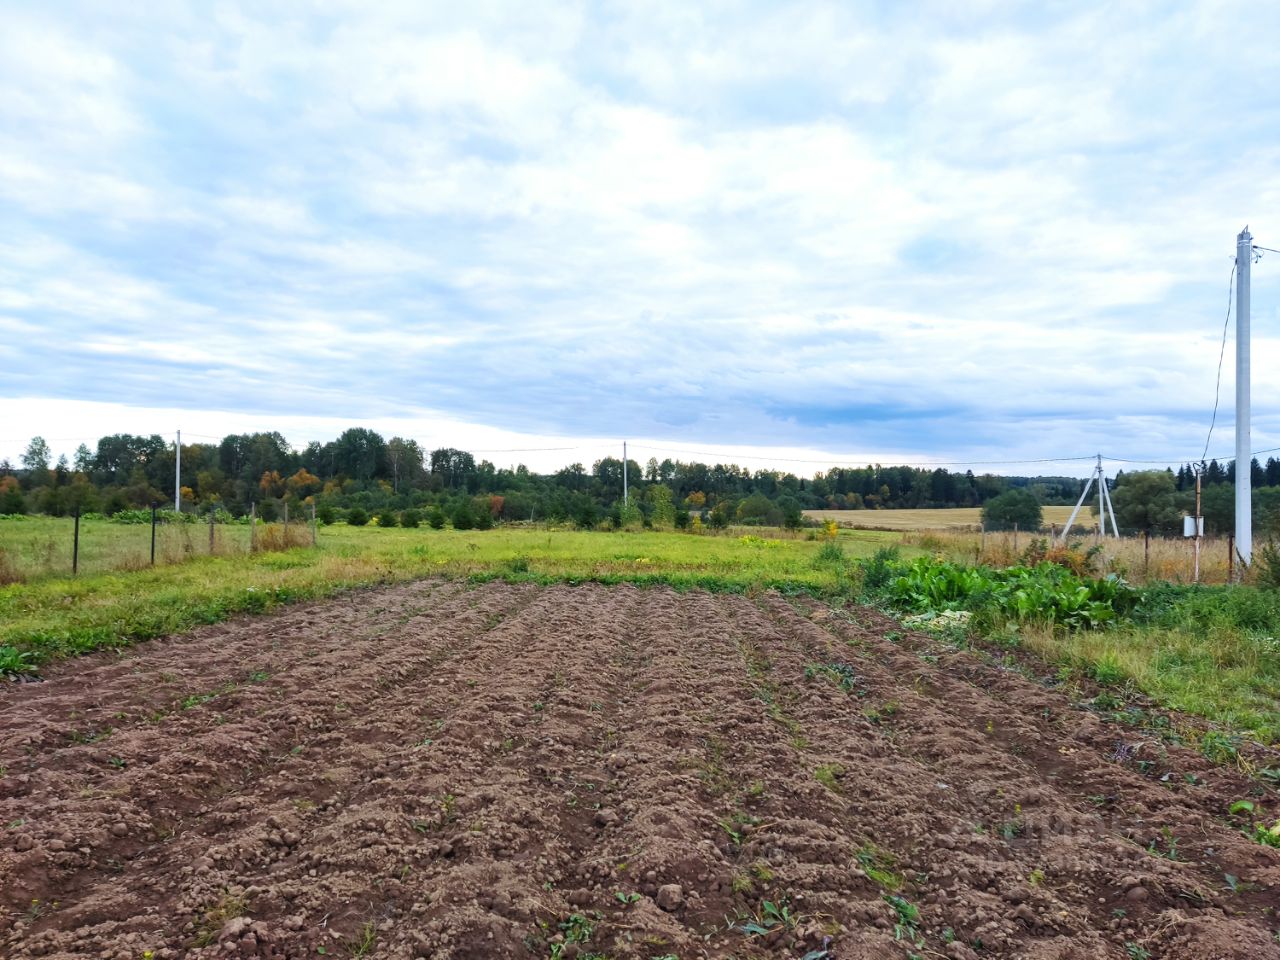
x,y
153,533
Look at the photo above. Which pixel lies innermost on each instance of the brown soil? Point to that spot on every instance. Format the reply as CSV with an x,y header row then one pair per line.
x,y
444,770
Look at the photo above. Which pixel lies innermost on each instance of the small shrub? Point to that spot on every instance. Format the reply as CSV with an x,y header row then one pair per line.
x,y
879,571
410,518
357,517
462,516
388,518
435,518
829,555
326,515
1268,565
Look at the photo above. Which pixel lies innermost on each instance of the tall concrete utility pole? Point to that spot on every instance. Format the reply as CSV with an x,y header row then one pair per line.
x,y
177,476
625,501
1244,461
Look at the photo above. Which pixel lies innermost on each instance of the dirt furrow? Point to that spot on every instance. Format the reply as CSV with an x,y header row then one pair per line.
x,y
452,771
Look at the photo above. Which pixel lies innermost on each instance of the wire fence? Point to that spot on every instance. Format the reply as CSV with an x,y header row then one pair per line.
x,y
41,546
1136,555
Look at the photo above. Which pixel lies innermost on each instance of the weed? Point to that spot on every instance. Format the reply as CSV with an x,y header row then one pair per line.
x,y
576,928
1012,829
38,909
735,823
771,916
1219,747
1267,836
879,571
626,899
1036,877
828,555
882,714
907,919
1170,851
364,942
1135,952
827,774
15,662
209,922
878,866
839,673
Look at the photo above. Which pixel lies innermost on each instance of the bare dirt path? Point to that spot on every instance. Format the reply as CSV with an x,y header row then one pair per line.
x,y
445,770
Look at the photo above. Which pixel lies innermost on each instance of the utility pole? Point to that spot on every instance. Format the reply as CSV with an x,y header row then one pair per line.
x,y
1244,461
177,476
1104,505
1102,501
1199,528
625,501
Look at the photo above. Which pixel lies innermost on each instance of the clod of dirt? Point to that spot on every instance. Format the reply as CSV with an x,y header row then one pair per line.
x,y
670,896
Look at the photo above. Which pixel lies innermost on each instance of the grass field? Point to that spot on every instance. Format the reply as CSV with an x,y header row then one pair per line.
x,y
942,519
53,615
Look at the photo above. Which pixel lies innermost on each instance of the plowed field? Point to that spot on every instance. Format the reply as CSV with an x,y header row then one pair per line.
x,y
445,770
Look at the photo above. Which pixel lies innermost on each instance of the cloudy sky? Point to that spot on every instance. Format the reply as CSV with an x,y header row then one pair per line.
x,y
855,231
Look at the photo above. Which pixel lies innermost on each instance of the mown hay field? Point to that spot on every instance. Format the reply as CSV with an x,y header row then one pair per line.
x,y
939,519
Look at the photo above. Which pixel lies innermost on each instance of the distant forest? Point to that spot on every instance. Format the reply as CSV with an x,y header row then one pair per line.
x,y
361,470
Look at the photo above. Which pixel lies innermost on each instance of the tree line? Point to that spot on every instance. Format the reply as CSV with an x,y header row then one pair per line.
x,y
360,470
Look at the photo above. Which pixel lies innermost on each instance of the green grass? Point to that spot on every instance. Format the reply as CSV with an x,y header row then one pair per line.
x,y
54,616
38,546
1209,651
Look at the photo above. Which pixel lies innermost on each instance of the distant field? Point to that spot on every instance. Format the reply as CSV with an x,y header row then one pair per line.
x,y
945,519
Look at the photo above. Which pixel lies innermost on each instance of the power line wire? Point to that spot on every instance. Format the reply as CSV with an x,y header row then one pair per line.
x,y
855,461
1222,352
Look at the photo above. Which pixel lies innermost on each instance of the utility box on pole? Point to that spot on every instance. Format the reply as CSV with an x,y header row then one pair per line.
x,y
1244,460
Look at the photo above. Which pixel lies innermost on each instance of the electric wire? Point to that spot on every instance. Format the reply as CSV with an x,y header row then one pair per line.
x,y
1222,352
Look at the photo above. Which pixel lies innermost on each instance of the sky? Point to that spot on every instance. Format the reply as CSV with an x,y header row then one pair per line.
x,y
784,234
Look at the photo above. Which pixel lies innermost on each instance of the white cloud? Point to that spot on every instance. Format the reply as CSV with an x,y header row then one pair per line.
x,y
800,225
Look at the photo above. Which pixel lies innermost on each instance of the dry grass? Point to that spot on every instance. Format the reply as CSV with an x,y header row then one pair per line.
x,y
8,572
950,518
1169,559
282,536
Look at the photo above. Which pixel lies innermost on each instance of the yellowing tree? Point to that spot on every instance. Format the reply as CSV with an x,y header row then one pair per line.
x,y
271,485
